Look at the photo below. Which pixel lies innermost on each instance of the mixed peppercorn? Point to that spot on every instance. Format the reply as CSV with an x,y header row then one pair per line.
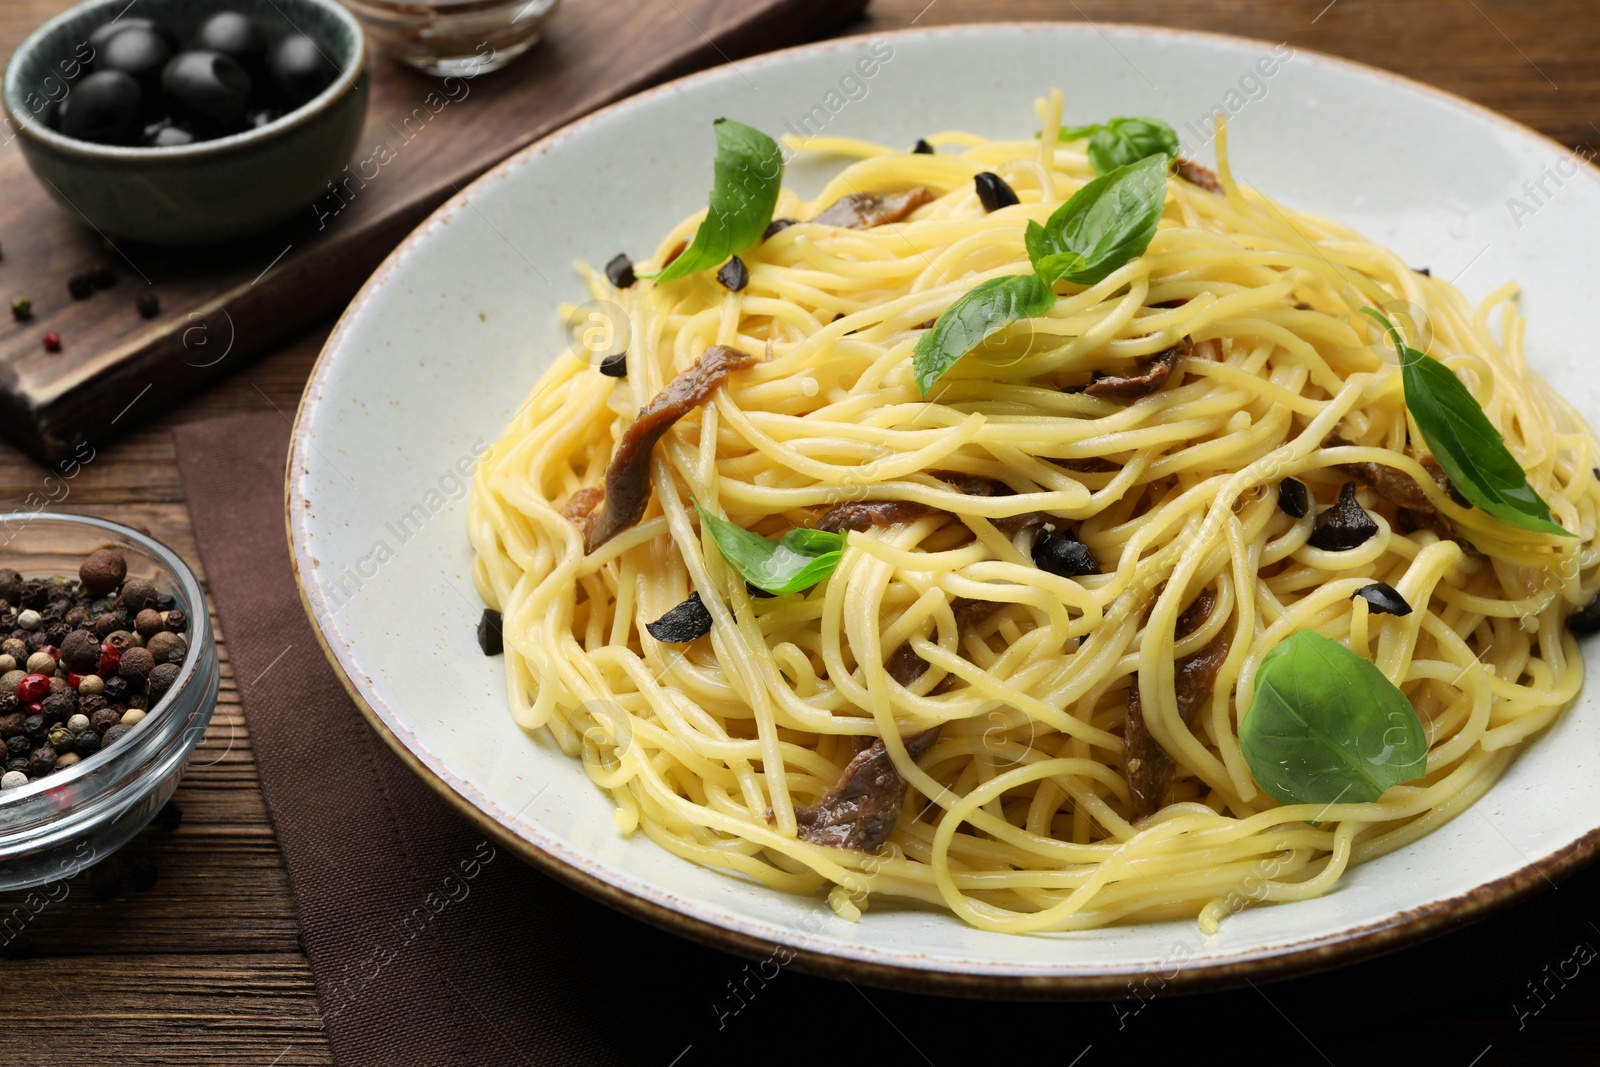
x,y
82,661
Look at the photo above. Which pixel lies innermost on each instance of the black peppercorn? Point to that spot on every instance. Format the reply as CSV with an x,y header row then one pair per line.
x,y
115,734
17,763
148,306
161,680
35,727
11,724
116,690
137,595
89,703
81,286
86,744
18,745
80,651
105,878
686,622
41,761
59,707
142,873
103,720
1293,497
21,308
993,192
734,275
177,621
620,271
169,817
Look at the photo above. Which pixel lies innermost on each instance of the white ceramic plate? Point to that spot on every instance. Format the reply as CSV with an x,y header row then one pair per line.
x,y
444,341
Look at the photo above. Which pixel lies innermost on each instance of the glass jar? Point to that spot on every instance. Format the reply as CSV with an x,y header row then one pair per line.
x,y
461,38
54,827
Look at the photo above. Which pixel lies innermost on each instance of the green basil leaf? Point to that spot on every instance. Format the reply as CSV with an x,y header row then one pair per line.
x,y
1464,441
1119,142
980,314
1105,225
749,172
798,560
1325,726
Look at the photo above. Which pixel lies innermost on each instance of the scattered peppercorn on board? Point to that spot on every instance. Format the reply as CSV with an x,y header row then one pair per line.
x,y
114,333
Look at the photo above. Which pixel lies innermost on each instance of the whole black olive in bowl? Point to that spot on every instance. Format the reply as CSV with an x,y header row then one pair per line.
x,y
214,148
207,87
234,34
140,53
103,108
300,69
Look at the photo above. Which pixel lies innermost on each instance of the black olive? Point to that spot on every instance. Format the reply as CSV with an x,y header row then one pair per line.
x,y
615,365
758,592
103,108
139,52
1585,620
260,116
993,192
102,34
1383,599
234,35
1060,553
1343,526
777,225
207,87
169,136
1293,497
490,637
620,271
734,275
923,148
686,622
300,70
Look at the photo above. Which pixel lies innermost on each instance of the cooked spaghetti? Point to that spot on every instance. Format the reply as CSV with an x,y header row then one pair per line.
x,y
1063,746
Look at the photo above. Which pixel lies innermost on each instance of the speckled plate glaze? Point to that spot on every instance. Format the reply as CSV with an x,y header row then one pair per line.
x,y
448,336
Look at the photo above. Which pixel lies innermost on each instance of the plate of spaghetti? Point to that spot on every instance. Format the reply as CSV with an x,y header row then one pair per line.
x,y
1019,533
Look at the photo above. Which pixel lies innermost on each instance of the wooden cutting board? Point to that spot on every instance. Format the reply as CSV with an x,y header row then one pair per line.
x,y
220,306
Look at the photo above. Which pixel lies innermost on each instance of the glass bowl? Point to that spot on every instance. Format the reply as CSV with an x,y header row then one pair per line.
x,y
459,38
56,826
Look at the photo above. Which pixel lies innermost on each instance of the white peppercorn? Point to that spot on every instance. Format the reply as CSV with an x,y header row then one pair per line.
x,y
41,663
78,723
28,619
91,685
67,759
13,780
7,664
132,717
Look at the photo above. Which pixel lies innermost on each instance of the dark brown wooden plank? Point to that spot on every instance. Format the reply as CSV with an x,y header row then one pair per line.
x,y
244,298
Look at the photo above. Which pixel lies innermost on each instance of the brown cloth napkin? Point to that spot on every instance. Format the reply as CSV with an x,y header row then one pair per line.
x,y
432,945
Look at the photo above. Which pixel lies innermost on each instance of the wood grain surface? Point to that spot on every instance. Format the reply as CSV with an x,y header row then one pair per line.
x,y
205,968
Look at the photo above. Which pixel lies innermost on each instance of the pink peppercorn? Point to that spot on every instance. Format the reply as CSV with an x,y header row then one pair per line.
x,y
109,659
52,342
33,688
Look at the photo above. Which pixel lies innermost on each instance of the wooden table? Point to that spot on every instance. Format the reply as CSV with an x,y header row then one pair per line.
x,y
206,967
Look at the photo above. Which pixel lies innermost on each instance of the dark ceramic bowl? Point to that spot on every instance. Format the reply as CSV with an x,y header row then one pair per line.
x,y
210,190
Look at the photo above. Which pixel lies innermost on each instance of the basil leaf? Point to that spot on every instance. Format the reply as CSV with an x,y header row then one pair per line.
x,y
1118,142
1106,224
749,171
980,314
1464,441
798,560
1325,726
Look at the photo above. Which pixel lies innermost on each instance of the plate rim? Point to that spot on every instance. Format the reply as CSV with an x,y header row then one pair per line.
x,y
908,970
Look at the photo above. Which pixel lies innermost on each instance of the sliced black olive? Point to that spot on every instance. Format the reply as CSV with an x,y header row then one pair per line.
x,y
169,136
776,225
993,192
1424,271
686,622
734,275
620,271
235,36
490,637
1293,497
139,52
758,592
1060,553
615,365
1343,526
1383,599
300,70
923,148
103,108
1585,621
260,116
206,87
